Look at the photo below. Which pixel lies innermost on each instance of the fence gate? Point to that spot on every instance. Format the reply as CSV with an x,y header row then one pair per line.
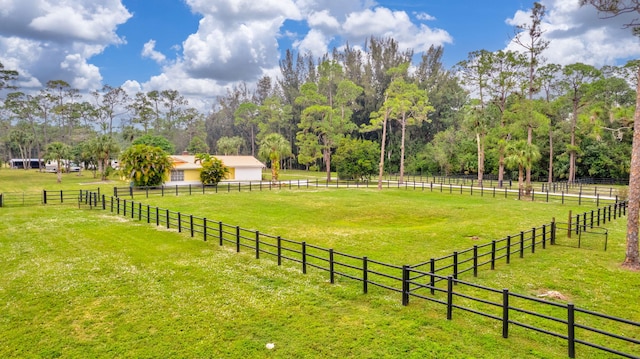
x,y
593,238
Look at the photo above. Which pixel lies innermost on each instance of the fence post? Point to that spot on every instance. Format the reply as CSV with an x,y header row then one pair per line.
x,y
168,218
455,265
157,216
44,196
204,227
569,226
140,211
505,313
220,233
553,231
365,275
257,244
237,238
544,236
304,257
449,297
405,285
493,255
508,249
432,268
179,222
533,240
521,244
118,206
331,272
104,204
571,337
475,260
115,191
191,224
279,239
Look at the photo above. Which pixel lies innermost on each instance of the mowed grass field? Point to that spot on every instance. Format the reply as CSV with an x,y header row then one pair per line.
x,y
80,283
409,227
396,226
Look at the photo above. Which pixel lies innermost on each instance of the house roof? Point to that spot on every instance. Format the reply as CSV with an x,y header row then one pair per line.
x,y
187,162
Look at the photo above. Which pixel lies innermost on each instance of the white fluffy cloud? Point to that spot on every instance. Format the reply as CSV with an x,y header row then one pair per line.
x,y
148,50
358,24
577,34
238,40
53,39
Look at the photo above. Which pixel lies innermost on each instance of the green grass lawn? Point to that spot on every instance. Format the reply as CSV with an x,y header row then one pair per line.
x,y
408,227
396,226
82,283
18,180
76,283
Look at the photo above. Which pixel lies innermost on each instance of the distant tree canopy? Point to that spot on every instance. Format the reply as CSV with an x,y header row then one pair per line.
x,y
155,141
484,102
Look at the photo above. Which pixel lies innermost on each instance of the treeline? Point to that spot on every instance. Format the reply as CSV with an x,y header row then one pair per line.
x,y
501,113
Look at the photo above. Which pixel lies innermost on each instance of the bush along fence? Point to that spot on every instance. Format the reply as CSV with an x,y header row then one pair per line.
x,y
460,188
433,280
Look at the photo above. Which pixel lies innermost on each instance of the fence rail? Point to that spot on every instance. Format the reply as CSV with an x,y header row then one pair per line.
x,y
20,199
433,280
463,187
451,185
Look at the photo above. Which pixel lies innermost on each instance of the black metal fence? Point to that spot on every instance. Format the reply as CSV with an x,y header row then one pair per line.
x,y
433,280
582,187
18,199
451,188
452,185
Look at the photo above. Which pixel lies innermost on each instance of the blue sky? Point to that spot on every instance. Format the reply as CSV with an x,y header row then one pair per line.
x,y
203,47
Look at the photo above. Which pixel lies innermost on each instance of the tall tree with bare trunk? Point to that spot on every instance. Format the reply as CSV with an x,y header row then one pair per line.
x,y
611,8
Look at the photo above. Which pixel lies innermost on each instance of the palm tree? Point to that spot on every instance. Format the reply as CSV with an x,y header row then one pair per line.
x,y
102,148
273,147
56,151
522,155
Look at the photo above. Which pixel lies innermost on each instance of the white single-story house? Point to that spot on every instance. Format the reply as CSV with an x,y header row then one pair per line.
x,y
241,168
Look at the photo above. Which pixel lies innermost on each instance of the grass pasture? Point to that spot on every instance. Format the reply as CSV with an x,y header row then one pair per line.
x,y
78,284
411,227
85,283
394,226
